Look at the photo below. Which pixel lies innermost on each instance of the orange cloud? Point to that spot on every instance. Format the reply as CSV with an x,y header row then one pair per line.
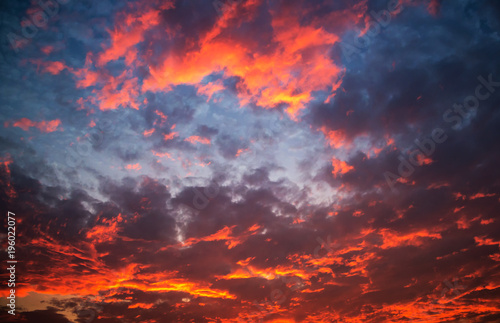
x,y
481,195
134,166
423,160
9,190
54,67
297,65
240,151
198,139
119,91
43,126
106,232
129,32
163,118
340,167
148,133
223,234
392,239
170,136
122,90
158,154
335,138
85,76
483,241
141,305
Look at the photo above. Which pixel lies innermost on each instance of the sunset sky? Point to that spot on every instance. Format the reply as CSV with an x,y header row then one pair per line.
x,y
251,160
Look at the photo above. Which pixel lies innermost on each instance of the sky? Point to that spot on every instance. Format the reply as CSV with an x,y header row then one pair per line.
x,y
251,160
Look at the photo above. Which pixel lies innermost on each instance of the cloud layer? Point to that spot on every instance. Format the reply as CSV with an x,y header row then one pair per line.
x,y
252,161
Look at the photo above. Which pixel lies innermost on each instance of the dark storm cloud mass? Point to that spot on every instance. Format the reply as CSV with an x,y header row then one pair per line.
x,y
168,161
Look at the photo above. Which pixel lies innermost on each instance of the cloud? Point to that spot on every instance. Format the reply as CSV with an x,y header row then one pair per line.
x,y
43,126
224,166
